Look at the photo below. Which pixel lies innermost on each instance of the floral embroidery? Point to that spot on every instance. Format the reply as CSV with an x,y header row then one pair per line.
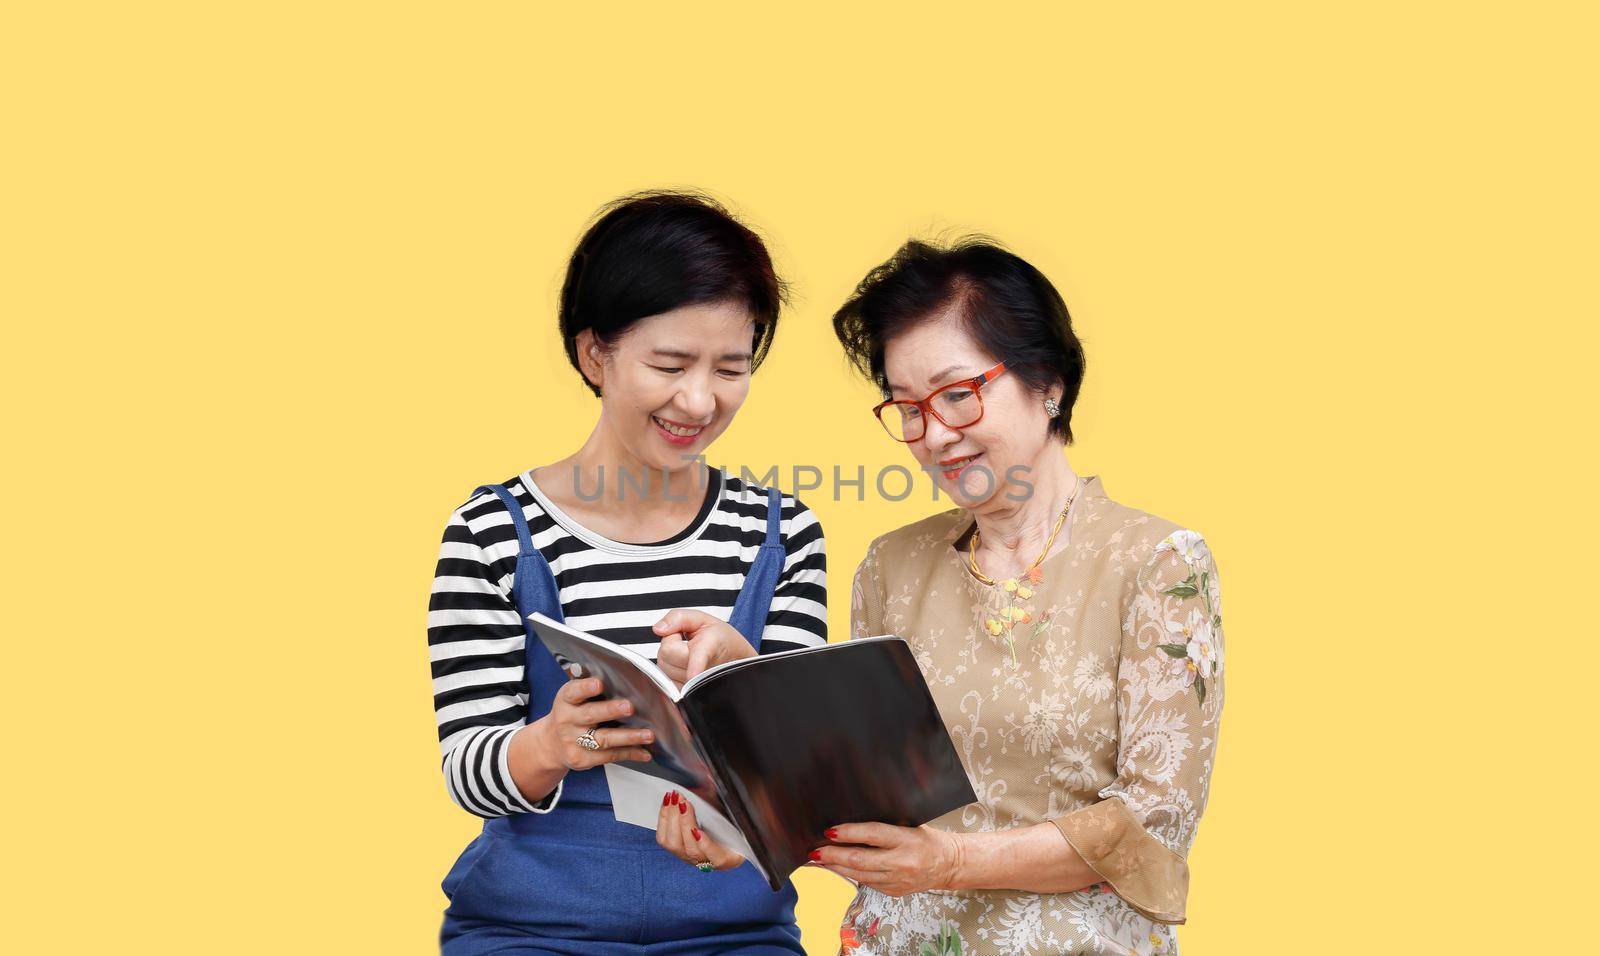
x,y
1074,767
1004,625
948,943
1044,721
1090,676
1195,652
850,938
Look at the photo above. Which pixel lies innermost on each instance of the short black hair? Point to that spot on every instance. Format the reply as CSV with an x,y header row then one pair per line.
x,y
1006,304
652,252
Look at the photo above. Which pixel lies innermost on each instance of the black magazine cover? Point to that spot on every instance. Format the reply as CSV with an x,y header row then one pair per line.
x,y
777,748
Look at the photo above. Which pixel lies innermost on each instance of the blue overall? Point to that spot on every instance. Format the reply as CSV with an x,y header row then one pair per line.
x,y
576,881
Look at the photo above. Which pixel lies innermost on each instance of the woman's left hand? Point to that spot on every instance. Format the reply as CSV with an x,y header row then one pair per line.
x,y
692,641
893,860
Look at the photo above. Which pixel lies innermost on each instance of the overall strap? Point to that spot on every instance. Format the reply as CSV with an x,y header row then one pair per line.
x,y
774,519
533,588
749,615
518,519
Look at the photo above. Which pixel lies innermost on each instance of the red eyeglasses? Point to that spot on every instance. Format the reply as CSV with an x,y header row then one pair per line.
x,y
957,405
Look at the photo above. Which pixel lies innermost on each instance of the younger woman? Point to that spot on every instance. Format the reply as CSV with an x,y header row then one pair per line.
x,y
668,306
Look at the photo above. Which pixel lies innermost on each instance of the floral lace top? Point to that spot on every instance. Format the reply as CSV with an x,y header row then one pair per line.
x,y
1087,694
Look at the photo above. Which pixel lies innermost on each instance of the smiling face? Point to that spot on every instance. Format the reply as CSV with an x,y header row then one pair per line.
x,y
970,464
672,383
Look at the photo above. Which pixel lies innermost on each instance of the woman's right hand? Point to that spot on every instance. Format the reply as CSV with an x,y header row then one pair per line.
x,y
678,833
574,712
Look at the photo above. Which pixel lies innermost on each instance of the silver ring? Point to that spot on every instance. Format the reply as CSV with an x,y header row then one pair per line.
x,y
587,742
704,867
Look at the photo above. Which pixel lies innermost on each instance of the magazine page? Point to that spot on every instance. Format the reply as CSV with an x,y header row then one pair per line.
x,y
636,797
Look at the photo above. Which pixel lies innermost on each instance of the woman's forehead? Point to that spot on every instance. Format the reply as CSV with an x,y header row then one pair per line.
x,y
931,353
718,329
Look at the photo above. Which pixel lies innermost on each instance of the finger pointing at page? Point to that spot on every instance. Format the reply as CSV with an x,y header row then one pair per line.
x,y
673,657
708,641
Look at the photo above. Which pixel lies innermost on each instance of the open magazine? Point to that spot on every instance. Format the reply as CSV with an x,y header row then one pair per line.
x,y
772,750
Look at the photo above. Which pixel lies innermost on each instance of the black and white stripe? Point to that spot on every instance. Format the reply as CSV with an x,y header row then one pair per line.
x,y
610,589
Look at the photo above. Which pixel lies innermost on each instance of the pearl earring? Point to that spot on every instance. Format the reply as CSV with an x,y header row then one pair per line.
x,y
1052,407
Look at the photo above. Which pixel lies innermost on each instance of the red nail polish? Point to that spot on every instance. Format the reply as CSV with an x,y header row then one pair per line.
x,y
683,805
666,799
695,831
816,854
831,833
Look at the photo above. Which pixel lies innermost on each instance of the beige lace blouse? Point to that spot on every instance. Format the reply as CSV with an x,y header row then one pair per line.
x,y
1086,693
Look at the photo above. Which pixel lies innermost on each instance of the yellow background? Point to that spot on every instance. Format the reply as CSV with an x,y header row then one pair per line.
x,y
279,287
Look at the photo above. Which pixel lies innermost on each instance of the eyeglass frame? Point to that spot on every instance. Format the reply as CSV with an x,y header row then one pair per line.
x,y
924,405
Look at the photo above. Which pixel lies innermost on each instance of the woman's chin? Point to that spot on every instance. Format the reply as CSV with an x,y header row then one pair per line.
x,y
970,497
671,458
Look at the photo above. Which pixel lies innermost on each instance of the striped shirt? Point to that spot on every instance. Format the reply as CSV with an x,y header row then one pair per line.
x,y
608,588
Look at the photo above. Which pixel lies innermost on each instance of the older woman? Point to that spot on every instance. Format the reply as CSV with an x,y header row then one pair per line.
x,y
1073,644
